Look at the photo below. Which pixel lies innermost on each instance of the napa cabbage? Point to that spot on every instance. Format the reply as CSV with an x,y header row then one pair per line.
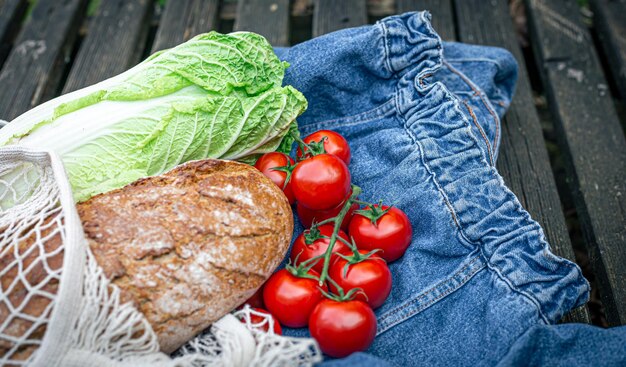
x,y
214,96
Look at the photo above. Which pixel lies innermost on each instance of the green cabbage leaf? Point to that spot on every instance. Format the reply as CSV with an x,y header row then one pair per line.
x,y
214,96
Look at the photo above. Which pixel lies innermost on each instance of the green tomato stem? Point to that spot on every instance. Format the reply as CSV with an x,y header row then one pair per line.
x,y
325,221
297,139
356,191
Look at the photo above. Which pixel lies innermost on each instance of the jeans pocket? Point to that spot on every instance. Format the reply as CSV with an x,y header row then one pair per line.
x,y
420,301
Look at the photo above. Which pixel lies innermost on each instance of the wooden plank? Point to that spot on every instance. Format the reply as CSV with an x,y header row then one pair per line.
x,y
269,18
228,9
184,19
591,138
523,161
610,21
32,71
331,15
11,13
441,10
115,41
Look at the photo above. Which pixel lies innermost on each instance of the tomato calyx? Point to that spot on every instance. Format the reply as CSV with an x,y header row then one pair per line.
x,y
310,149
312,234
303,269
315,147
342,296
288,169
373,212
358,257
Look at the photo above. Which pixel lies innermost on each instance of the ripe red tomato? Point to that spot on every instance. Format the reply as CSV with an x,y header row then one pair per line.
x,y
304,251
272,160
391,233
307,216
372,275
292,299
342,328
321,182
264,325
334,144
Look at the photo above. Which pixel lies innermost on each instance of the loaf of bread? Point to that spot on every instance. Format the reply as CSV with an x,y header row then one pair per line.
x,y
188,246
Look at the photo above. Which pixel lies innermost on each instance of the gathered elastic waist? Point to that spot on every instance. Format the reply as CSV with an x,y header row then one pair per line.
x,y
488,215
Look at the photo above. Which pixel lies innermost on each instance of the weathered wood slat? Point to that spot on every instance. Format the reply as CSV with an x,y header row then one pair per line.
x,y
184,19
331,15
269,18
523,159
32,71
441,10
114,42
11,12
591,138
610,21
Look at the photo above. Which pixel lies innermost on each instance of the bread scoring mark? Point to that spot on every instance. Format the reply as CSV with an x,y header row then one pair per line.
x,y
230,219
199,272
154,242
228,193
169,302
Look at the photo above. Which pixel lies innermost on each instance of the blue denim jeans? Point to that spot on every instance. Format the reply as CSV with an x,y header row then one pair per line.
x,y
423,121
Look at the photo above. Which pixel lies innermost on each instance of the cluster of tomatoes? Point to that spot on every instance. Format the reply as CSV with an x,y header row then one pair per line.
x,y
338,271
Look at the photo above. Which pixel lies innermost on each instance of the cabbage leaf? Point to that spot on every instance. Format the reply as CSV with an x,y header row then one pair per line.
x,y
215,96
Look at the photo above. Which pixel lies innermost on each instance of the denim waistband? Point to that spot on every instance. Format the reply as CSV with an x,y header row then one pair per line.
x,y
488,216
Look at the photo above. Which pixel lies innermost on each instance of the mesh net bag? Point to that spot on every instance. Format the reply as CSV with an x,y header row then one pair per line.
x,y
58,309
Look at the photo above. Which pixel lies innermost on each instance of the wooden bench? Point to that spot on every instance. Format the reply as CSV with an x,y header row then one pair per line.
x,y
65,45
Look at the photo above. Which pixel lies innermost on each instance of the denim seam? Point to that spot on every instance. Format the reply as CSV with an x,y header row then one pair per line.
x,y
386,48
432,289
482,132
465,93
479,93
421,307
570,264
433,175
506,281
382,110
456,102
490,266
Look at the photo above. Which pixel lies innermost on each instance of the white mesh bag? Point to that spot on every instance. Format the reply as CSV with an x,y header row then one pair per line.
x,y
58,309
